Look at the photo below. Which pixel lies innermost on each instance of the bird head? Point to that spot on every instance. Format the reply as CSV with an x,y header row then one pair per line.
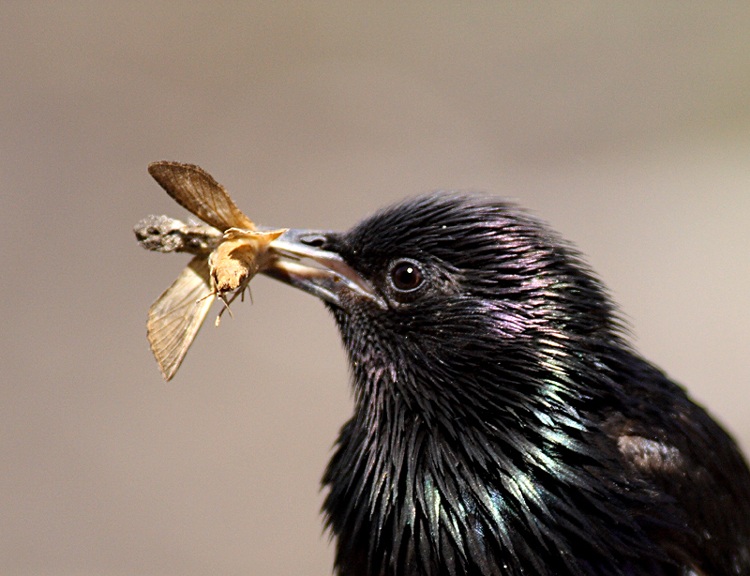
x,y
449,283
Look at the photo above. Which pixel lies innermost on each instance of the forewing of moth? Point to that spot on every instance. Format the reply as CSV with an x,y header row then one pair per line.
x,y
176,316
196,190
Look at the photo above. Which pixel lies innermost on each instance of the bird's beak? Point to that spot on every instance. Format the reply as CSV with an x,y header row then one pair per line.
x,y
299,262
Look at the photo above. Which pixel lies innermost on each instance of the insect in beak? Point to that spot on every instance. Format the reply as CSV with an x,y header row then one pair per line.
x,y
229,251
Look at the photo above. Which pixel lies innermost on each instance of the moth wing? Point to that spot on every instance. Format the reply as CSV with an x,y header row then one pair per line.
x,y
196,190
176,316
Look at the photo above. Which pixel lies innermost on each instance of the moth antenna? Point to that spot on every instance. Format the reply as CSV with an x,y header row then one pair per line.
x,y
207,296
226,308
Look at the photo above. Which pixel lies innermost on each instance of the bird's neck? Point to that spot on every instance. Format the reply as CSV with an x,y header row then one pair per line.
x,y
412,495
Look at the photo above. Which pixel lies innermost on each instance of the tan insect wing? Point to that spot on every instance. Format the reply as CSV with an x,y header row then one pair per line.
x,y
176,316
197,191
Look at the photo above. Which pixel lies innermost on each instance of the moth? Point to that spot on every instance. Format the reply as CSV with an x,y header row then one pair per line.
x,y
228,252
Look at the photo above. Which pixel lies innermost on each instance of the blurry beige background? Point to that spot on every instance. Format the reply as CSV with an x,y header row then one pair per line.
x,y
626,125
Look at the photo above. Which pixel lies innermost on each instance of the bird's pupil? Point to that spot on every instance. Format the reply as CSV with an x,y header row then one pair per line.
x,y
406,276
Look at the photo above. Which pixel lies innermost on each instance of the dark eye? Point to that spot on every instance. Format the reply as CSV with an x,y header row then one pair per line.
x,y
406,275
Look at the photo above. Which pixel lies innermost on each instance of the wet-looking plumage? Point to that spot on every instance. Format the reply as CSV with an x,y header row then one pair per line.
x,y
502,423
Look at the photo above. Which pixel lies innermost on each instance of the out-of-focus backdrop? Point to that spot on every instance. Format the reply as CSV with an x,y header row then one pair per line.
x,y
625,125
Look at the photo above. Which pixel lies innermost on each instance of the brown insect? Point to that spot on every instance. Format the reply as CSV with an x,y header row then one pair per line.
x,y
229,252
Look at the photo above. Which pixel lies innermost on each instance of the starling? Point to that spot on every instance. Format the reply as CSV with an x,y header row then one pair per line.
x,y
503,425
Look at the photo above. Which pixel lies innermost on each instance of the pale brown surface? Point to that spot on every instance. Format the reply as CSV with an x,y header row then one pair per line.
x,y
625,125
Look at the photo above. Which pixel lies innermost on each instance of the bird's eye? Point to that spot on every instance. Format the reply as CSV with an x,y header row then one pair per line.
x,y
406,275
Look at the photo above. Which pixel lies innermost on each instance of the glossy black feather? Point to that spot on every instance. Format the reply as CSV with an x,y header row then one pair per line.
x,y
503,425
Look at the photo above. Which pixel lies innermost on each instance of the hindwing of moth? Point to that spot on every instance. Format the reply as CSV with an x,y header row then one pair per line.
x,y
176,316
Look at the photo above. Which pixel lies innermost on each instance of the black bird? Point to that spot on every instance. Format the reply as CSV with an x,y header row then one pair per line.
x,y
503,425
